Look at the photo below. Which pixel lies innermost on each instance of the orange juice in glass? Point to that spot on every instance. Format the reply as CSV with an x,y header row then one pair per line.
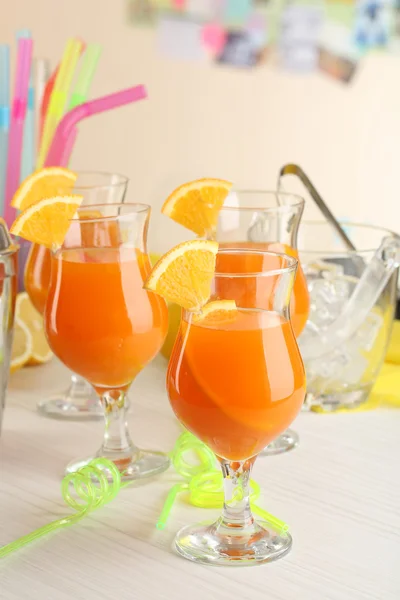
x,y
79,401
103,325
269,221
236,381
266,221
37,275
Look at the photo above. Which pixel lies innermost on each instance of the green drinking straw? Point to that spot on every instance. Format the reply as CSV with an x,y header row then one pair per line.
x,y
92,490
86,74
169,502
205,483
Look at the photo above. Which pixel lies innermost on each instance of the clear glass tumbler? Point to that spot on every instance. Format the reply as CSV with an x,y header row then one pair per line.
x,y
344,376
268,220
237,383
79,401
103,325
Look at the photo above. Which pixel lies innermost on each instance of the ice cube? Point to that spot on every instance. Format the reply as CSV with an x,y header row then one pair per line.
x,y
330,365
341,368
354,371
328,298
322,269
369,330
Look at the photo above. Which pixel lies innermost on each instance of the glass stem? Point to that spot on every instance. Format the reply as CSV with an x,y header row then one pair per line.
x,y
237,512
117,444
80,389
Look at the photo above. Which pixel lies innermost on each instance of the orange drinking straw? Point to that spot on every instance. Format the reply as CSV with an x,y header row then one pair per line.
x,y
45,101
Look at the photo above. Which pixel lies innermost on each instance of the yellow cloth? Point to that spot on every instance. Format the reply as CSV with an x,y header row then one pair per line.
x,y
386,391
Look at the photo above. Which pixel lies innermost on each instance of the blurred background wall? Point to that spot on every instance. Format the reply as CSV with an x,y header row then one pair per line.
x,y
218,121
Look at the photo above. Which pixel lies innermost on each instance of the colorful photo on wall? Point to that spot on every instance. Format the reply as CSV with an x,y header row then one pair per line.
x,y
300,28
372,24
395,41
338,51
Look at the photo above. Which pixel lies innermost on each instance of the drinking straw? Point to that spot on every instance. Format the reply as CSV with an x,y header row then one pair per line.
x,y
42,74
205,485
61,147
59,96
44,105
23,33
99,482
86,74
92,490
18,112
47,94
4,116
168,504
28,148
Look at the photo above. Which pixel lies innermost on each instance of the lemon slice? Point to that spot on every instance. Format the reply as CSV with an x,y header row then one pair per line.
x,y
27,313
22,345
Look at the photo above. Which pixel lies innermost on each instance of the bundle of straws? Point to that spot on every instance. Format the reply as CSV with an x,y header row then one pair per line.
x,y
38,125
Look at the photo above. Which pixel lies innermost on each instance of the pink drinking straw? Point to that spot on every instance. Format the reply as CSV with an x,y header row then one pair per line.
x,y
64,137
18,112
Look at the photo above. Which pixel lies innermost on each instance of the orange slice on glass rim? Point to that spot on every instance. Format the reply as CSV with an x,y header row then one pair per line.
x,y
46,222
216,313
184,275
44,183
196,204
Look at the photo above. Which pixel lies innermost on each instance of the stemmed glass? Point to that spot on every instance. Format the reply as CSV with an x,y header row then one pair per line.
x,y
103,325
266,220
237,383
79,401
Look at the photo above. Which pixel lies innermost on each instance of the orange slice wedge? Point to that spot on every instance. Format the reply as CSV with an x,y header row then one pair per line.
x,y
216,313
27,313
47,221
45,183
184,275
196,205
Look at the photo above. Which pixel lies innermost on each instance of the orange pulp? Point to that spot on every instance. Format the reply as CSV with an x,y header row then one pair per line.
x,y
37,275
99,320
242,263
38,265
239,384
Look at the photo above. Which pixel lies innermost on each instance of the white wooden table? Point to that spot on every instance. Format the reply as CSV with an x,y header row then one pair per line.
x,y
339,491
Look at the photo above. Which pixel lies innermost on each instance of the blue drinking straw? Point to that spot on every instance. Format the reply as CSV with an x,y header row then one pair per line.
x,y
4,117
28,148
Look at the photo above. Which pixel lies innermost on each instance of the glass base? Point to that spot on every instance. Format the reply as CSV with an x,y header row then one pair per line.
x,y
211,545
288,440
144,463
69,408
62,407
338,400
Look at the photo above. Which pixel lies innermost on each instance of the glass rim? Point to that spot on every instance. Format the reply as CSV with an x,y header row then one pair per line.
x,y
122,180
292,263
344,251
300,201
138,208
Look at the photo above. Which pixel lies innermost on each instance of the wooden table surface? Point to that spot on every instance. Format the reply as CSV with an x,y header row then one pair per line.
x,y
339,491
